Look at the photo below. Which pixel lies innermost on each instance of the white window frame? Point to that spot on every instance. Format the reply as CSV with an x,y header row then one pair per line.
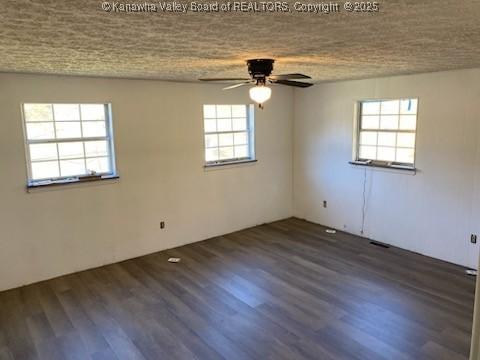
x,y
250,113
75,178
357,160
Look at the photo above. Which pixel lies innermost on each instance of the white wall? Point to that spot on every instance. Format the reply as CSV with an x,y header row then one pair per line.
x,y
158,138
433,212
159,146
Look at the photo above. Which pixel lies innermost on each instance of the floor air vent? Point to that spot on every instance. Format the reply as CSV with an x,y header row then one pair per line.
x,y
379,244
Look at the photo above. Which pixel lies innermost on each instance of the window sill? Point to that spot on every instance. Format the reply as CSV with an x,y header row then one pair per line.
x,y
406,168
229,163
73,181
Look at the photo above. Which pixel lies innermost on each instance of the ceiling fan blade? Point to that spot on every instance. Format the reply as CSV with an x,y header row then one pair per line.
x,y
237,85
292,83
289,76
225,79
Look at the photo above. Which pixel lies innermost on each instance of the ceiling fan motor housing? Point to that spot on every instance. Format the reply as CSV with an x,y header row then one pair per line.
x,y
259,69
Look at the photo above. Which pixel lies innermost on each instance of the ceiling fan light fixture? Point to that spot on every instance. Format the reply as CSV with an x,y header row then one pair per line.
x,y
260,93
260,71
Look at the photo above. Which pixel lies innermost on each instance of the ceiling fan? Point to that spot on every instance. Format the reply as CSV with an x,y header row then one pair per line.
x,y
260,71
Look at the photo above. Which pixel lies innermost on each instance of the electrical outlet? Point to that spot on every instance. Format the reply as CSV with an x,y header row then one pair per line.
x,y
324,203
473,238
162,224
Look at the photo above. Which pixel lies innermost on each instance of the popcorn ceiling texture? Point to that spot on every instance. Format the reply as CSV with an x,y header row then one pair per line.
x,y
77,37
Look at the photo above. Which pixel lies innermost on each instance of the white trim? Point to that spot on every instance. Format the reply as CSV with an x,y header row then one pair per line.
x,y
108,138
250,132
357,130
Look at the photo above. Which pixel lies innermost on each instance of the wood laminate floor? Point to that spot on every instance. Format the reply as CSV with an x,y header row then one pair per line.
x,y
285,290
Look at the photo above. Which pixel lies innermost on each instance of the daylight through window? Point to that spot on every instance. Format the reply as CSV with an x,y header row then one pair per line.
x,y
229,133
386,131
68,140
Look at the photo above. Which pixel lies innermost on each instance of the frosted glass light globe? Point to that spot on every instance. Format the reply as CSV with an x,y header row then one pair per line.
x,y
260,94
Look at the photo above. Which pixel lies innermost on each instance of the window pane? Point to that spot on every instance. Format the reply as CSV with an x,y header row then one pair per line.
x,y
408,106
67,130
224,111
239,111
241,151
386,153
241,138
72,167
386,138
225,139
42,152
390,107
405,155
45,170
406,140
211,154
209,111
226,132
210,125
96,148
66,112
94,129
368,138
98,165
389,122
408,122
226,153
54,159
70,150
224,124
38,112
93,111
368,152
371,107
211,140
40,131
370,122
239,124
391,145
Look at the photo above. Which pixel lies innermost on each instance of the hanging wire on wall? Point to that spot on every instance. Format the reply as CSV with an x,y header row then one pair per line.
x,y
364,205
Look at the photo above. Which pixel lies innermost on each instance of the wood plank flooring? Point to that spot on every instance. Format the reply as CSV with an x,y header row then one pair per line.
x,y
285,290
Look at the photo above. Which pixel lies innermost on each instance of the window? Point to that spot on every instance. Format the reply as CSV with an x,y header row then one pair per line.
x,y
386,132
229,133
67,142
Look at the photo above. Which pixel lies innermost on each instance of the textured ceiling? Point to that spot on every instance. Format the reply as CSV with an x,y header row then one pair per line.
x,y
77,37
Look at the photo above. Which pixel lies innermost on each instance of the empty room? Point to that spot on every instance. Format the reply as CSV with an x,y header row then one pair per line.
x,y
239,180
